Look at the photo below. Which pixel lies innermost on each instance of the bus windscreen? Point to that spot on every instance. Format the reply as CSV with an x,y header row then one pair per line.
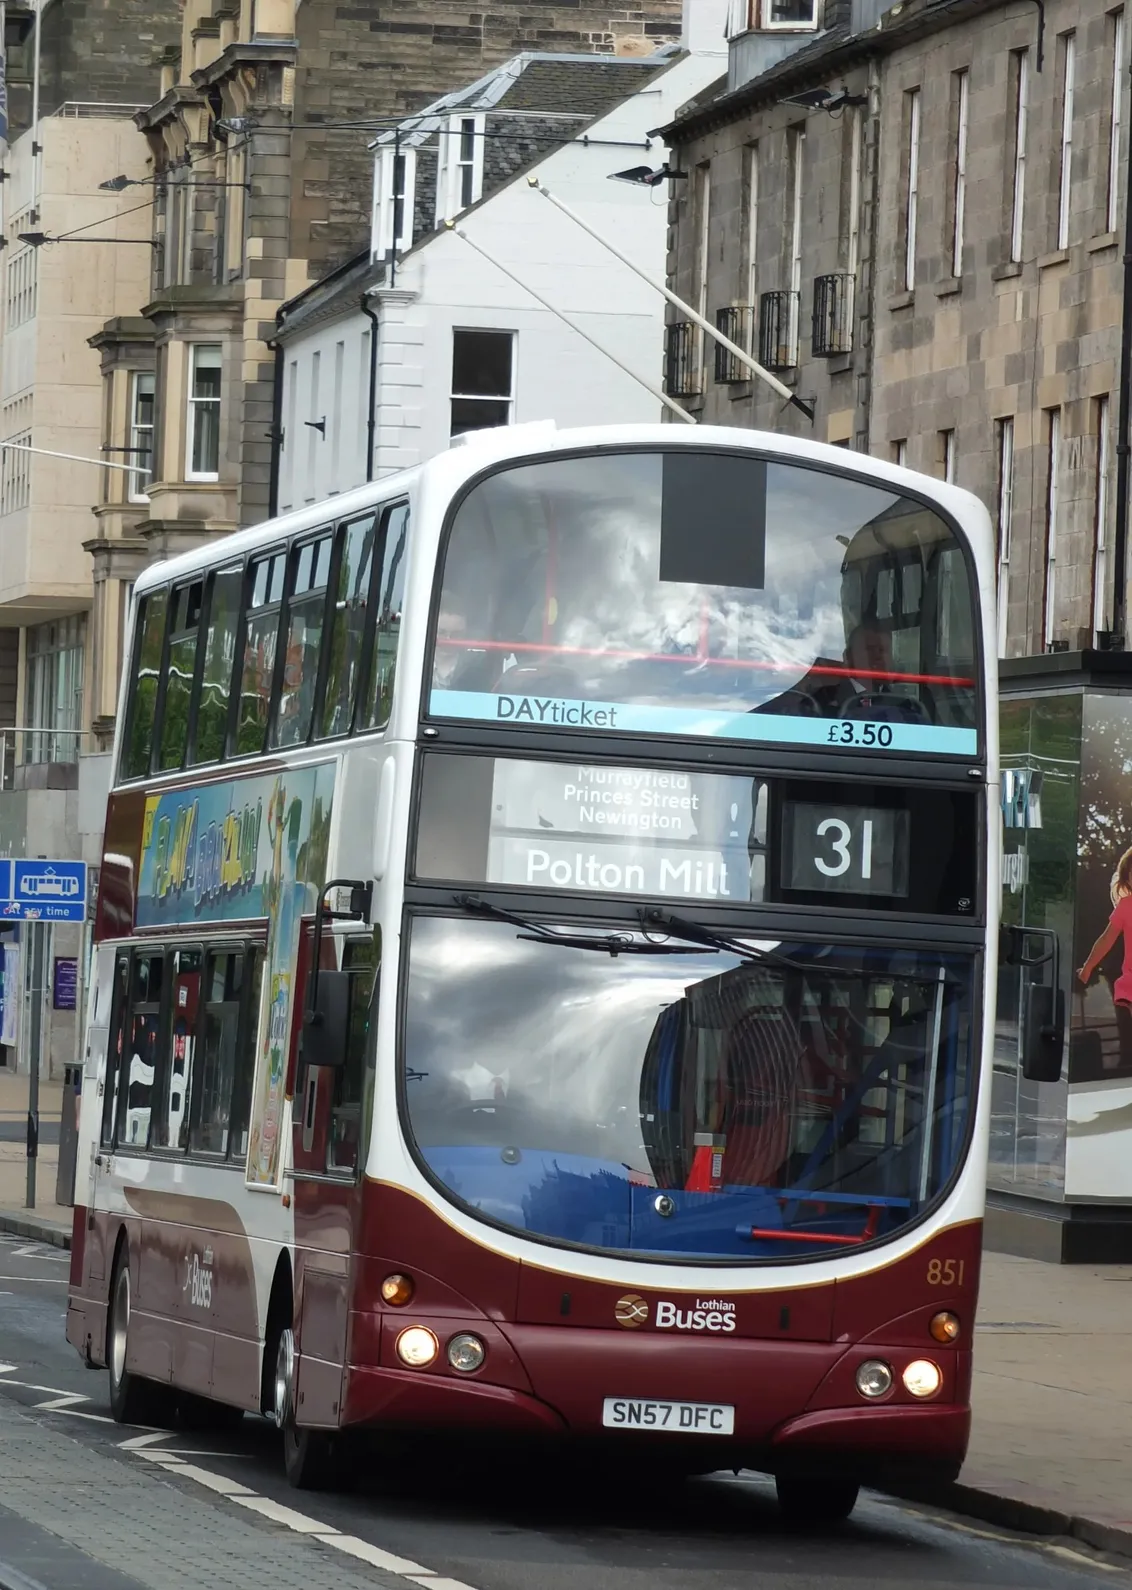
x,y
707,594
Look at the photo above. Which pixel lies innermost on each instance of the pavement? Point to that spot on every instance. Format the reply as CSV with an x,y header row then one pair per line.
x,y
48,1222
1050,1451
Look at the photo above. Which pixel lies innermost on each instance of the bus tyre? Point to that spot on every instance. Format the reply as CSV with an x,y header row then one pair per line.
x,y
816,1498
309,1456
133,1400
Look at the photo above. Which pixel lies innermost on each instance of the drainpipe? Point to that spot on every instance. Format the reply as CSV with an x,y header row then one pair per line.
x,y
1120,538
275,434
371,417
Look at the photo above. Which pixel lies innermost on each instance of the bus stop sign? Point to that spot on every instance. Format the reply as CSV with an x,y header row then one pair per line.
x,y
43,891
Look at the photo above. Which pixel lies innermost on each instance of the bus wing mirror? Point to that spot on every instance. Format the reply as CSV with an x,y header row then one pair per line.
x,y
326,1024
1043,1033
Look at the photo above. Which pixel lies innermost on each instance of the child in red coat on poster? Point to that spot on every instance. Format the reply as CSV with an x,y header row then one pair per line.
x,y
1120,922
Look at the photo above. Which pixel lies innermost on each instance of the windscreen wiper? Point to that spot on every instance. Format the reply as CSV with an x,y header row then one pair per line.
x,y
536,933
679,927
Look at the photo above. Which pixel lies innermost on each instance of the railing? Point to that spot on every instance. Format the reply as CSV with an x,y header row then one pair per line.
x,y
682,342
833,315
21,745
736,322
84,107
778,330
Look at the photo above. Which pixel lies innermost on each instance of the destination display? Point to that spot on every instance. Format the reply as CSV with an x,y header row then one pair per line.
x,y
625,830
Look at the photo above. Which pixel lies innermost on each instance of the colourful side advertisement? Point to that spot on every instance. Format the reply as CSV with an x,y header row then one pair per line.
x,y
241,850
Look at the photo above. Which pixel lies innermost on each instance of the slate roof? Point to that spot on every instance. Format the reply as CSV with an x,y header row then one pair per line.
x,y
532,104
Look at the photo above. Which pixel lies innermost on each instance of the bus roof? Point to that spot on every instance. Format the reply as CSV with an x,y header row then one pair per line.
x,y
473,452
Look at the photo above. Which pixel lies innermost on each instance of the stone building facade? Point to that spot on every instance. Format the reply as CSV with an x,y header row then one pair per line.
x,y
259,144
921,231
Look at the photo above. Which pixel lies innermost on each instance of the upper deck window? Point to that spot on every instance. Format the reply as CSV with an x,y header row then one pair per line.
x,y
707,594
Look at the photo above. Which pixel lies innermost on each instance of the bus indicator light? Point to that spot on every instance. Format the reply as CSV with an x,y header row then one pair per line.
x,y
417,1347
397,1290
945,1327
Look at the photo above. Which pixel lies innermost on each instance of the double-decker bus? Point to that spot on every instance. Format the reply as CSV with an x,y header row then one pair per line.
x,y
543,963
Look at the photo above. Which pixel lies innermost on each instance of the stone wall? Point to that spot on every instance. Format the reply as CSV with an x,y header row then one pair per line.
x,y
364,61
1003,339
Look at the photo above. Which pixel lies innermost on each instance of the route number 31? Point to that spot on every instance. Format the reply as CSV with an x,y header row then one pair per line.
x,y
946,1272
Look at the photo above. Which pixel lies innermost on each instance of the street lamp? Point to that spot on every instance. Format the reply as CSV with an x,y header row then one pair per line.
x,y
39,239
646,177
121,181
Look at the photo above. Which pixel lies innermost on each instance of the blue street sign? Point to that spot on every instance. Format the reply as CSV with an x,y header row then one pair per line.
x,y
43,891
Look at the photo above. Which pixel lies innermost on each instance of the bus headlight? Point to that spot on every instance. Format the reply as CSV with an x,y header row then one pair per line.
x,y
466,1353
922,1378
874,1378
417,1347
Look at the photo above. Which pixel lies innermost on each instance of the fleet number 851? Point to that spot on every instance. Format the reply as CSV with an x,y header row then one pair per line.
x,y
946,1272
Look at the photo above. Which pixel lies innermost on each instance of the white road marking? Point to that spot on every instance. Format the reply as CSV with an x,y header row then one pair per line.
x,y
355,1547
48,1255
6,1369
146,1446
136,1442
299,1522
58,1404
37,1280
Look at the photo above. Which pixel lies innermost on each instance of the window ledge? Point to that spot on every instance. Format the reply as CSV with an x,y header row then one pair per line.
x,y
1059,256
740,390
903,300
839,363
1005,273
1103,241
949,286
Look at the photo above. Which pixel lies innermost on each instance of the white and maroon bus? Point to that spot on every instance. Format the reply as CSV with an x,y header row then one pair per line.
x,y
543,963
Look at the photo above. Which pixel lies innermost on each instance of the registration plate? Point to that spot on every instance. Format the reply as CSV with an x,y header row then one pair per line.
x,y
681,1418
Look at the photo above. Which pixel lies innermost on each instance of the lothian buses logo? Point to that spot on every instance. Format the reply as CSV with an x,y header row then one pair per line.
x,y
715,1314
631,1311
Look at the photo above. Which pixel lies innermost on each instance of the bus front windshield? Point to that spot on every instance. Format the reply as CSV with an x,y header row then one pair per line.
x,y
777,1104
706,594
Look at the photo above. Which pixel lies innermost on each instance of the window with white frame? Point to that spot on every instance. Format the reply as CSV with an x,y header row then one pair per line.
x,y
1116,121
796,150
912,189
140,456
752,210
460,179
394,195
203,438
962,99
1053,504
1003,521
23,273
1100,516
1021,133
483,379
800,15
947,455
1065,174
55,690
703,248
900,453
15,474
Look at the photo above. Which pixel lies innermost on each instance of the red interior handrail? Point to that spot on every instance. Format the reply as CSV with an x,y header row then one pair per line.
x,y
827,671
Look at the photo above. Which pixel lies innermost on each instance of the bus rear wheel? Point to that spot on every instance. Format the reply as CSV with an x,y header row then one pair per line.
x,y
816,1498
133,1399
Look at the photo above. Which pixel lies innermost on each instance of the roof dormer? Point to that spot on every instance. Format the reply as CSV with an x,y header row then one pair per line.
x,y
763,32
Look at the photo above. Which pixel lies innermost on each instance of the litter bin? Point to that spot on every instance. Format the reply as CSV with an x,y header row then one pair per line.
x,y
69,1136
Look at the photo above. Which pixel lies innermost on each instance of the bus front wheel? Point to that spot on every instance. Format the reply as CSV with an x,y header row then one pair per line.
x,y
816,1499
309,1456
